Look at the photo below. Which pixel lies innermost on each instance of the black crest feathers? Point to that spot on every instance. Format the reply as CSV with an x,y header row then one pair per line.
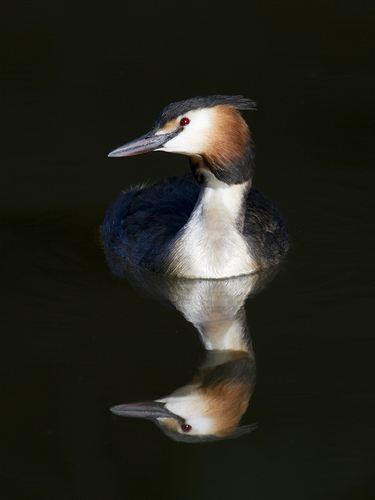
x,y
176,109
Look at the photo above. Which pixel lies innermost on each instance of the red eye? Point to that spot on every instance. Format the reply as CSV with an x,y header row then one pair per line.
x,y
185,427
184,121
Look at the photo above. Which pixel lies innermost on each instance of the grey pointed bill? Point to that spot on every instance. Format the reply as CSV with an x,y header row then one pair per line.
x,y
144,409
144,144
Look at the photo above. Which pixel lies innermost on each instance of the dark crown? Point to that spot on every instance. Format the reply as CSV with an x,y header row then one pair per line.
x,y
175,109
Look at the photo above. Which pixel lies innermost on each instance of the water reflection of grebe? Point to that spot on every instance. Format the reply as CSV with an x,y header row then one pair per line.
x,y
211,224
212,404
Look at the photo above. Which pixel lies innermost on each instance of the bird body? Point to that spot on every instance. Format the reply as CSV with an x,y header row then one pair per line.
x,y
211,223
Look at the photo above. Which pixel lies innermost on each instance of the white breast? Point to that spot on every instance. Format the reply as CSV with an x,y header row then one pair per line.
x,y
211,244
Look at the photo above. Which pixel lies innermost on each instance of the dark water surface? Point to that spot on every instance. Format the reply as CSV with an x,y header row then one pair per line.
x,y
81,78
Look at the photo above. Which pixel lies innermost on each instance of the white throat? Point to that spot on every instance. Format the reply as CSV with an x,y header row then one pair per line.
x,y
211,244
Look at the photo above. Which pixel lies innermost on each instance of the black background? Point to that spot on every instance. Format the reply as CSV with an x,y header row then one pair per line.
x,y
77,80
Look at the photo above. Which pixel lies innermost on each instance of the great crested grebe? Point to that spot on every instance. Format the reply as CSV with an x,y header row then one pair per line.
x,y
211,224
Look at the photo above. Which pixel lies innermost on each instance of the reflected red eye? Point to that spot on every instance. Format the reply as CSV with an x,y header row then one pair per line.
x,y
184,121
185,427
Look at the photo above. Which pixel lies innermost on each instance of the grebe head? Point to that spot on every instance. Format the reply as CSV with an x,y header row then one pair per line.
x,y
209,130
177,416
195,413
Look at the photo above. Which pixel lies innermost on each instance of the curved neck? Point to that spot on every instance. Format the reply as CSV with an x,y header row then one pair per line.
x,y
211,244
228,171
209,180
